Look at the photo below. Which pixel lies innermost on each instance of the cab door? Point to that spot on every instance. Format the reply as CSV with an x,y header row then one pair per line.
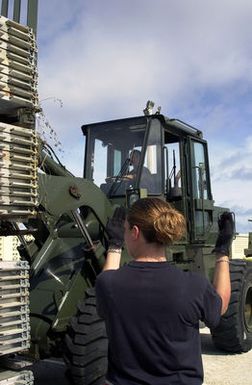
x,y
201,196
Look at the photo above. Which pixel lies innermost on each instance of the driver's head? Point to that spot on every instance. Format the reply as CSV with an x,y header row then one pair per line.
x,y
135,156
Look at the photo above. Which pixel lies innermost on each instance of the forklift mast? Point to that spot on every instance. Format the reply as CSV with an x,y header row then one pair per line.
x,y
32,12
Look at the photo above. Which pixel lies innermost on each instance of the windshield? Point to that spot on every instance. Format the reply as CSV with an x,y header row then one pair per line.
x,y
116,160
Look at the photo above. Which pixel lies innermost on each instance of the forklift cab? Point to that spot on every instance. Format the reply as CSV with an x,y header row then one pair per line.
x,y
172,164
124,154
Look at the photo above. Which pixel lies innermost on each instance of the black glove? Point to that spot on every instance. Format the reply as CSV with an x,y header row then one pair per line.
x,y
226,234
115,228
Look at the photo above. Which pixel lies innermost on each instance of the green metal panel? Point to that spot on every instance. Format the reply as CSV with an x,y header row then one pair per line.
x,y
62,269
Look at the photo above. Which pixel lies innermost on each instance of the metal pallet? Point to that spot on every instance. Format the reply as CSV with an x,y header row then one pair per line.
x,y
18,67
18,171
9,377
14,307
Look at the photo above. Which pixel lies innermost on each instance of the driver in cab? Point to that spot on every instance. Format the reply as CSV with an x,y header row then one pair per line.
x,y
135,157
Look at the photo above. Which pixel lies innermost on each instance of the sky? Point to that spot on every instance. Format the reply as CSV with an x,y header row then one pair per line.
x,y
103,59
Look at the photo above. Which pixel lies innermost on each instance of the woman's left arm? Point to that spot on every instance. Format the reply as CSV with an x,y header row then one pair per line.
x,y
115,230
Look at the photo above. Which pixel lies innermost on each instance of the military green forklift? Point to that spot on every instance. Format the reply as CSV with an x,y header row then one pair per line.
x,y
70,241
66,217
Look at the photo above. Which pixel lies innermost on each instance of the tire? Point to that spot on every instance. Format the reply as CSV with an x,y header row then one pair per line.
x,y
86,345
234,332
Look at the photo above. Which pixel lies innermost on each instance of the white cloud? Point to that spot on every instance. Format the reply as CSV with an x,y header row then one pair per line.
x,y
140,48
105,59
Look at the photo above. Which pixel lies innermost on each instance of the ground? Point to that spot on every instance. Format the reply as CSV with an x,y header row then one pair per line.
x,y
222,368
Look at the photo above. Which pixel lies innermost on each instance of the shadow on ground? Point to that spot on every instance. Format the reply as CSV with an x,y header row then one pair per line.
x,y
50,372
207,345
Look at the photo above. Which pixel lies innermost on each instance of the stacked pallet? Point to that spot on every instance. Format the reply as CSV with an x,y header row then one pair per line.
x,y
18,145
14,307
18,183
18,67
18,172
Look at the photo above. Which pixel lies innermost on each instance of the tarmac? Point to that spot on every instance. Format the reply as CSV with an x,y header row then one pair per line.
x,y
221,368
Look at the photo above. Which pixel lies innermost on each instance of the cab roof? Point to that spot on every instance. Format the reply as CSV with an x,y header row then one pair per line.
x,y
178,124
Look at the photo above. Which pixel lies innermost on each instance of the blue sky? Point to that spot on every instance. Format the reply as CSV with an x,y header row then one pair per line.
x,y
105,59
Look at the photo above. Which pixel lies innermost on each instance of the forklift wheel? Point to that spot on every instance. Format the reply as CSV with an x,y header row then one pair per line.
x,y
86,344
234,332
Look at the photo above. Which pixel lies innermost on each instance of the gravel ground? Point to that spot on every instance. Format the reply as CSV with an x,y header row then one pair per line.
x,y
222,368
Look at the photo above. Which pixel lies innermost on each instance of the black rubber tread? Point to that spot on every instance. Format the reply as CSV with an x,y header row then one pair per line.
x,y
86,344
231,335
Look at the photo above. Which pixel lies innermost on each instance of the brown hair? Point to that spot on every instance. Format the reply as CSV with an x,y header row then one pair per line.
x,y
158,221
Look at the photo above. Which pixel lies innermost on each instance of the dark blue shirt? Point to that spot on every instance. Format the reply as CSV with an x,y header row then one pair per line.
x,y
152,312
